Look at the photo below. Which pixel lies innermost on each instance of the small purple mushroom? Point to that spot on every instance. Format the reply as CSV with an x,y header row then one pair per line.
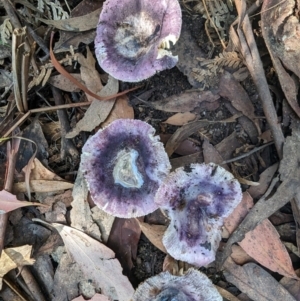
x,y
192,286
197,199
124,164
133,37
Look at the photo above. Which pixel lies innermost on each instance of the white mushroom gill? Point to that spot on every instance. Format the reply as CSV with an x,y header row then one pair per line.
x,y
166,44
168,41
125,171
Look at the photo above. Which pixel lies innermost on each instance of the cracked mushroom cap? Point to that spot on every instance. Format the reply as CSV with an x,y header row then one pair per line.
x,y
197,198
192,286
133,37
124,164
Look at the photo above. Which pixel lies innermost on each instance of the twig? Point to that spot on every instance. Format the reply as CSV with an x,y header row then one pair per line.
x,y
31,284
39,41
255,67
15,289
256,149
12,149
67,145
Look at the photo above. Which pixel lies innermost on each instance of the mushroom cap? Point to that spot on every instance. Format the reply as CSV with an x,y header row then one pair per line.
x,y
132,37
192,286
124,164
197,198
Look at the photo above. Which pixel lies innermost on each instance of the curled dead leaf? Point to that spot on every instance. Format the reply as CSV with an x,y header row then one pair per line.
x,y
154,233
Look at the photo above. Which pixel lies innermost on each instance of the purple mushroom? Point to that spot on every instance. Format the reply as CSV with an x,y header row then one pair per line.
x,y
197,199
133,37
124,164
192,286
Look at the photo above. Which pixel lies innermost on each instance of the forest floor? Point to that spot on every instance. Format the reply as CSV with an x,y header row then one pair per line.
x,y
232,99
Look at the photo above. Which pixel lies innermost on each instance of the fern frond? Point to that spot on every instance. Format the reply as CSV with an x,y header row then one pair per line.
x,y
57,11
6,30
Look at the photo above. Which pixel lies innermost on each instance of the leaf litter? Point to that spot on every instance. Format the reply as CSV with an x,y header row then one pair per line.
x,y
96,261
219,109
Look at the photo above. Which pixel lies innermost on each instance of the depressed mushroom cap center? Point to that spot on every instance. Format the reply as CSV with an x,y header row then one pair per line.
x,y
126,171
134,35
171,294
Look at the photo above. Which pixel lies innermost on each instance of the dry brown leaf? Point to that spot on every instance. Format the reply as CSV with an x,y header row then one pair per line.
x,y
279,218
226,295
266,136
97,262
41,180
9,202
12,258
210,154
187,160
171,265
123,240
255,282
186,147
76,24
188,129
236,217
154,233
239,256
232,90
120,110
265,179
97,111
89,75
264,245
246,181
52,130
228,145
42,186
186,102
180,118
61,82
183,133
175,267
97,297
40,172
68,38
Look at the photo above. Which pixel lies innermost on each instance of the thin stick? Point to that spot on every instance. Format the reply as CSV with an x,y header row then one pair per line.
x,y
256,149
